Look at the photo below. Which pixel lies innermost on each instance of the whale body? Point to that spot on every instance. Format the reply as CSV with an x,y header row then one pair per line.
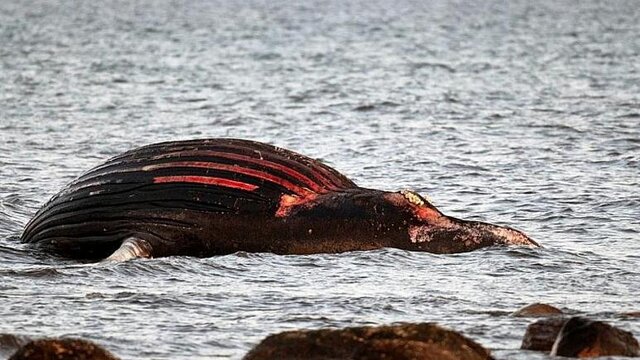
x,y
218,196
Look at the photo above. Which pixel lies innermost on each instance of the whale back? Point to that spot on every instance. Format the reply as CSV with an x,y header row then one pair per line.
x,y
211,175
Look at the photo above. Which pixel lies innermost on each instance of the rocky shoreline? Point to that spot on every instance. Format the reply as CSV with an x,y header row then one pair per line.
x,y
555,334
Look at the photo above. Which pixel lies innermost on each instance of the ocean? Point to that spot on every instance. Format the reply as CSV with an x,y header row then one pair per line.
x,y
518,113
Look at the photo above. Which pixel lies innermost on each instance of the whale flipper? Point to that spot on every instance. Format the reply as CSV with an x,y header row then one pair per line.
x,y
131,248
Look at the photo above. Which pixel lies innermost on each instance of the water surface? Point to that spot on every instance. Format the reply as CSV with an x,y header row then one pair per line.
x,y
518,113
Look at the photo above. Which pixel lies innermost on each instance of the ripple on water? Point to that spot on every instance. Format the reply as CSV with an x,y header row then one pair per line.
x,y
499,113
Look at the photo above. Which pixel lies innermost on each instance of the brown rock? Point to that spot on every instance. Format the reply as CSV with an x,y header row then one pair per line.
x,y
537,309
61,349
403,350
581,337
404,342
9,343
541,335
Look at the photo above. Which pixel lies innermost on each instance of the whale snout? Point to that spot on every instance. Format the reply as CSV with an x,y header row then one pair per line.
x,y
450,235
500,235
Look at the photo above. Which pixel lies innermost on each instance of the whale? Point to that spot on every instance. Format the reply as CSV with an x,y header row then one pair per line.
x,y
209,197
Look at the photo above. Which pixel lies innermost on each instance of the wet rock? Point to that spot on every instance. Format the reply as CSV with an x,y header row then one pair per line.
x,y
581,337
537,309
541,335
61,349
403,342
403,350
631,314
9,343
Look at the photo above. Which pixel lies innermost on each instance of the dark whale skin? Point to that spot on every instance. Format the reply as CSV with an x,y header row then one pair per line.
x,y
218,196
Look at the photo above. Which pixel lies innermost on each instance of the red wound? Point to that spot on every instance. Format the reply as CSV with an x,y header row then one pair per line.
x,y
205,180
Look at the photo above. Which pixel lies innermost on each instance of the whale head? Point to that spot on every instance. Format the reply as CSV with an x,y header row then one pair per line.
x,y
431,230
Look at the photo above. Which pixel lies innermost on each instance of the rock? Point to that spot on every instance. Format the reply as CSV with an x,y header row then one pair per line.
x,y
631,314
403,342
537,309
541,335
9,343
581,337
403,350
61,349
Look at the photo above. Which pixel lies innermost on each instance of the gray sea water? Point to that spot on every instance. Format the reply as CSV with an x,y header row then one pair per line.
x,y
515,112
